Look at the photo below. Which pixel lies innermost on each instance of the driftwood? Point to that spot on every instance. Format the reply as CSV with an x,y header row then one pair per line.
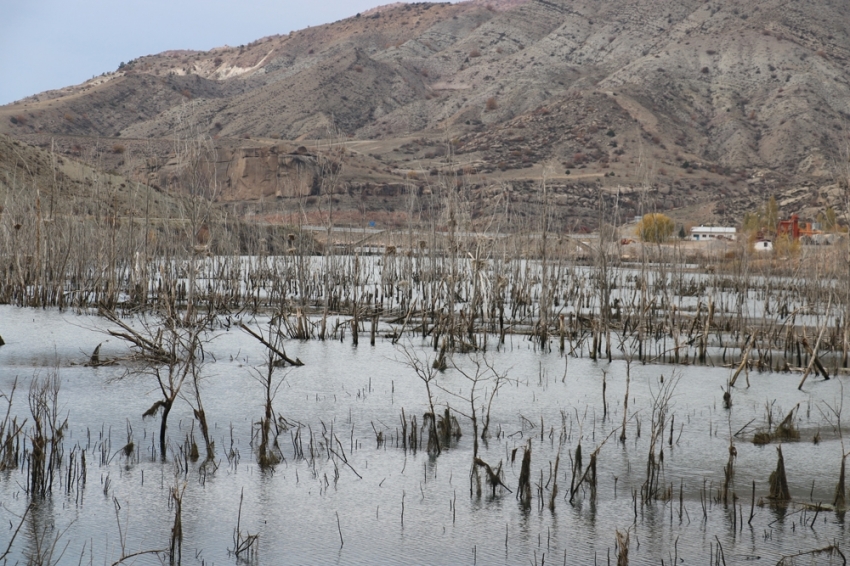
x,y
831,550
282,355
493,477
813,361
149,348
813,353
95,361
744,361
589,474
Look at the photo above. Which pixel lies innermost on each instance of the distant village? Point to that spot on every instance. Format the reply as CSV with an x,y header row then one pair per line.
x,y
793,230
764,231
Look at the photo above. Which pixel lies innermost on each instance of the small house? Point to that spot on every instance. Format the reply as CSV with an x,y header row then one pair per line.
x,y
761,245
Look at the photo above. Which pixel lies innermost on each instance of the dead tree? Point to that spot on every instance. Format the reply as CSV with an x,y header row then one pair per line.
x,y
170,380
655,462
481,373
194,400
268,451
427,373
173,360
834,419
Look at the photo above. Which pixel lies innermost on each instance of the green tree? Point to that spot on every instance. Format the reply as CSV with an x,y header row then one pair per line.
x,y
655,227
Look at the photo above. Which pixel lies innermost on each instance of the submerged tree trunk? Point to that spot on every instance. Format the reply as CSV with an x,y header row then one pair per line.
x,y
840,501
166,408
524,488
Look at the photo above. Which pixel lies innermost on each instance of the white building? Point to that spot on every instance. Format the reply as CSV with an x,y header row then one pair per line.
x,y
703,233
763,246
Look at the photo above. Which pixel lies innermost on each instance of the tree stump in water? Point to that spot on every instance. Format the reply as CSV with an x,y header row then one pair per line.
x,y
840,501
524,488
779,491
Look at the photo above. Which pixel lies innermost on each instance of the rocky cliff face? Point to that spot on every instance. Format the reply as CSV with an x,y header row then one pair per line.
x,y
705,101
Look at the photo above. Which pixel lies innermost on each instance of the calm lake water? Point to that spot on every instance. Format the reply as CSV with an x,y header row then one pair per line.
x,y
391,506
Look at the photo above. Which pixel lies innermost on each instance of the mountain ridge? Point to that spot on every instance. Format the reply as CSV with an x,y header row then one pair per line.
x,y
700,101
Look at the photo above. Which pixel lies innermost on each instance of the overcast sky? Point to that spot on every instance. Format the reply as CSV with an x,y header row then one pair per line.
x,y
47,44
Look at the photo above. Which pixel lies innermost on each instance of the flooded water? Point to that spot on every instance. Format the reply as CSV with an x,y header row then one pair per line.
x,y
357,502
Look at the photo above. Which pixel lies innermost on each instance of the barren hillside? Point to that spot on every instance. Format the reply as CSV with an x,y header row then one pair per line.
x,y
703,103
31,177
